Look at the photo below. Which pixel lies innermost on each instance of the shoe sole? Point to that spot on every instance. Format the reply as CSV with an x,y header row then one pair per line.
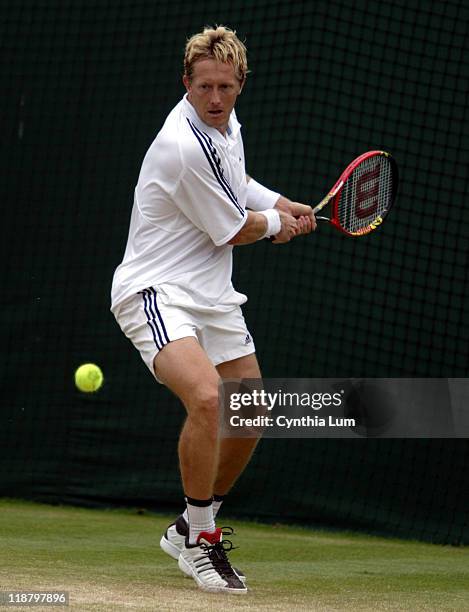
x,y
186,568
173,551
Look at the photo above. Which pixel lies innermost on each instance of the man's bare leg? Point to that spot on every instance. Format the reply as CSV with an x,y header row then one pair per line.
x,y
235,453
184,367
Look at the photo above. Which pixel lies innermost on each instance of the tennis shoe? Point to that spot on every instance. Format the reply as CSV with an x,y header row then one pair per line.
x,y
174,539
208,563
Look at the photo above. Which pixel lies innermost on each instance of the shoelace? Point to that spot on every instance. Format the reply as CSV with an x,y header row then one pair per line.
x,y
217,554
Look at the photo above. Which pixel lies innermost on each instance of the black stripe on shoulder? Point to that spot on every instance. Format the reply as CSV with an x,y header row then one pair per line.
x,y
217,161
215,166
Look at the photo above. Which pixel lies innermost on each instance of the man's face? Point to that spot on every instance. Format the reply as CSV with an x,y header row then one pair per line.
x,y
213,91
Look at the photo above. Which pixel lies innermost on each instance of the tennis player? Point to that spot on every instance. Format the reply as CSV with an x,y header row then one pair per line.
x,y
172,294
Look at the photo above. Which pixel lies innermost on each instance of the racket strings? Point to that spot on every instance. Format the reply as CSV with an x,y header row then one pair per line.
x,y
366,195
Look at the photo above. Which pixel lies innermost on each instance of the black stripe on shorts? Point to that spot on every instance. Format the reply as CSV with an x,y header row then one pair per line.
x,y
154,319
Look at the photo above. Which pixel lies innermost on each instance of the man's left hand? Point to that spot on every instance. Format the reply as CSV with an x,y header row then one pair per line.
x,y
302,212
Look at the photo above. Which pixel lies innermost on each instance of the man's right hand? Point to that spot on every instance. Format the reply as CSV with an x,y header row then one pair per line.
x,y
289,228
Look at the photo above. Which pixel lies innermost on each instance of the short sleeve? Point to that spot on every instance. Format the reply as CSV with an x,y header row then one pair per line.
x,y
205,196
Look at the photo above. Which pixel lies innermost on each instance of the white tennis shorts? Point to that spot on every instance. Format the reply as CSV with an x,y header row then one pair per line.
x,y
150,324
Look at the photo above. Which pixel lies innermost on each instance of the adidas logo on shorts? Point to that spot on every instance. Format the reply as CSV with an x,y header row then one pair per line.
x,y
247,340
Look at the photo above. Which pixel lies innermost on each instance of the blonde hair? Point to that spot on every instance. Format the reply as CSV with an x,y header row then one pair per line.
x,y
219,43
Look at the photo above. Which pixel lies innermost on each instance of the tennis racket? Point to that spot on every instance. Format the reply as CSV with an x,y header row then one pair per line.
x,y
364,194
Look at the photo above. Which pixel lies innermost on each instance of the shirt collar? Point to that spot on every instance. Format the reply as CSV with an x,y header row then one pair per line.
x,y
233,125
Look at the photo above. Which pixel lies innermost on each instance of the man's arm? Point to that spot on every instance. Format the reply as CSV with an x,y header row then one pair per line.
x,y
256,227
261,198
302,212
295,218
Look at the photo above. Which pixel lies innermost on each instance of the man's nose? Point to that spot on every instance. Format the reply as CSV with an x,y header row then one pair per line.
x,y
215,97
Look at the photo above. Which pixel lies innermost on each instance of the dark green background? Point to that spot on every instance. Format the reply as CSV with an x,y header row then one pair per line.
x,y
86,87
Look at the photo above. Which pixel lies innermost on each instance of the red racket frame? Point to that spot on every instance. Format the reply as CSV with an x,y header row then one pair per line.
x,y
335,193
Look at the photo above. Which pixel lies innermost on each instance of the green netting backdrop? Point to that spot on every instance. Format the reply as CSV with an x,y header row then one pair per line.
x,y
85,88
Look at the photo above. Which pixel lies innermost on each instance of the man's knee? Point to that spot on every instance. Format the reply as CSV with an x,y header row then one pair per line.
x,y
202,407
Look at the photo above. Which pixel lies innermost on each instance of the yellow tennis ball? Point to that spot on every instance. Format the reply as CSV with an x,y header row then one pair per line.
x,y
88,377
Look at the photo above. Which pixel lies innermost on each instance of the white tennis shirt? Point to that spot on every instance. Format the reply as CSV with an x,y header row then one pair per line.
x,y
189,201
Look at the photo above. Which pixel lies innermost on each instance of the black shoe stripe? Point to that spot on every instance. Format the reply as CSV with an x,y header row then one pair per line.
x,y
181,526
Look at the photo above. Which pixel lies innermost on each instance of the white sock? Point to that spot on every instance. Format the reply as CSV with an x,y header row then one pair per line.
x,y
216,504
216,507
200,518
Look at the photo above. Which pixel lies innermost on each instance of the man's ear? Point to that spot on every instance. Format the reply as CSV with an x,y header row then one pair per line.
x,y
241,85
187,83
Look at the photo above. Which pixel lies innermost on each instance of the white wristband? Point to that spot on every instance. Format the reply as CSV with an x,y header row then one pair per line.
x,y
274,225
259,197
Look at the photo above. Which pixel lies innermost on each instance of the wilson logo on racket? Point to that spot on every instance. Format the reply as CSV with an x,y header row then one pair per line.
x,y
367,193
